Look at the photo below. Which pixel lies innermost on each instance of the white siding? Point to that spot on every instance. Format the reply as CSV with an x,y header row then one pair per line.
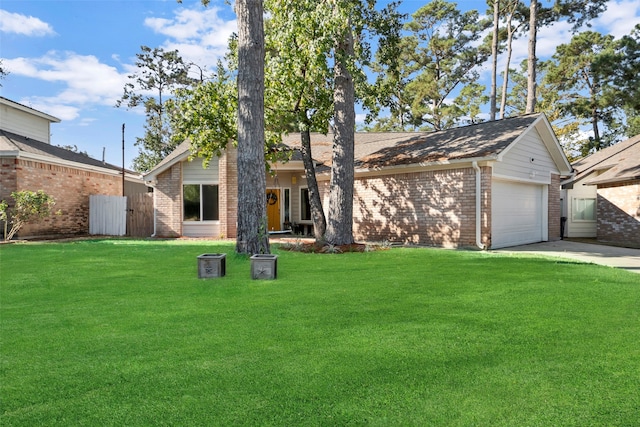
x,y
209,229
528,160
24,124
194,173
580,228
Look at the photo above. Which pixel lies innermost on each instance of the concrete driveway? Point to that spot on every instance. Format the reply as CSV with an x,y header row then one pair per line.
x,y
613,256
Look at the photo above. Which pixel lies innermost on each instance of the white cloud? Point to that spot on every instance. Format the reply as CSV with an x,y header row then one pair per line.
x,y
619,18
87,121
83,78
200,35
24,25
50,105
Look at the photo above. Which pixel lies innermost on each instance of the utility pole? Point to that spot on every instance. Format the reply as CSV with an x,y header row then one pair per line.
x,y
123,159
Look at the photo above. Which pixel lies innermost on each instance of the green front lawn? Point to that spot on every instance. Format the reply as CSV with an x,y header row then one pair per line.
x,y
122,332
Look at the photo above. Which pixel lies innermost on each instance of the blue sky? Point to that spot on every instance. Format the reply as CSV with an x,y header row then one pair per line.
x,y
71,59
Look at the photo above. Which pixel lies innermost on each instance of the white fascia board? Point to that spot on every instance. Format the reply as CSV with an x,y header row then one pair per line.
x,y
10,153
553,145
75,165
152,176
570,178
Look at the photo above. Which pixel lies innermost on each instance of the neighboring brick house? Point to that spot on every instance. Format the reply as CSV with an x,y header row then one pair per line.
x,y
28,161
490,185
602,198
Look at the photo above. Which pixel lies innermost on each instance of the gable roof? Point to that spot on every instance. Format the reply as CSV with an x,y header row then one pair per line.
x,y
183,152
483,141
13,145
620,163
29,110
374,150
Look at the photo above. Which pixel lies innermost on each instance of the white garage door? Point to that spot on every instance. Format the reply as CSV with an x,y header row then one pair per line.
x,y
517,213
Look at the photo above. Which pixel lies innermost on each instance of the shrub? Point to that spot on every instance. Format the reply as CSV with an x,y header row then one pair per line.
x,y
29,206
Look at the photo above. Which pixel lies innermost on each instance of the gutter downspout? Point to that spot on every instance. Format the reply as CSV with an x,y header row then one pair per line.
x,y
155,216
152,184
478,205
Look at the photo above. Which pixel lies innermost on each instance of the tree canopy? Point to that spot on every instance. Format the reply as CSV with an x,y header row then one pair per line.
x,y
160,73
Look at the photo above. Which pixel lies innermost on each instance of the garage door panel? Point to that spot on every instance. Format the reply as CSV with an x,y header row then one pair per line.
x,y
516,211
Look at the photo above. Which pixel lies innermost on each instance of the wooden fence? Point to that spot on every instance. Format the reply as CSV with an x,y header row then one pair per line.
x,y
119,216
140,215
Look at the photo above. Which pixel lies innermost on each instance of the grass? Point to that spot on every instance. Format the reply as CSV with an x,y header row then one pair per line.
x,y
121,332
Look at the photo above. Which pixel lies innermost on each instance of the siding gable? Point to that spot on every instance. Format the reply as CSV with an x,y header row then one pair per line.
x,y
526,160
24,124
194,173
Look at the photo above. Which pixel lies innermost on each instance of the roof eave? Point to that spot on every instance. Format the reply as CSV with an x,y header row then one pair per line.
x,y
152,175
614,180
292,165
10,153
442,164
67,163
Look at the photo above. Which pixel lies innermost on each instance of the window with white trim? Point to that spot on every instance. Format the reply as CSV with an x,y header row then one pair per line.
x,y
200,202
584,209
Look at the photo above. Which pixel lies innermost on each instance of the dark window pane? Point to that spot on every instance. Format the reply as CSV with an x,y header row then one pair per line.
x,y
191,202
305,207
287,203
210,202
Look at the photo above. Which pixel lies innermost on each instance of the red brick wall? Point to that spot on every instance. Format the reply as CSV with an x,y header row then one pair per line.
x,y
8,178
435,208
554,209
228,175
168,202
168,198
619,214
69,187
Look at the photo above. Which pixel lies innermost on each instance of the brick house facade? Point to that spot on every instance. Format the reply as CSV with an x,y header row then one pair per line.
x,y
602,199
433,208
436,189
28,161
618,214
69,187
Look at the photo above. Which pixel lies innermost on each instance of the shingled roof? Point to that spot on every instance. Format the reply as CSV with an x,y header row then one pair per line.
x,y
379,149
373,150
620,163
13,144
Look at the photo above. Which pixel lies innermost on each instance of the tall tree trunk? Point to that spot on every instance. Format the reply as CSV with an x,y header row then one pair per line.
x,y
505,77
494,59
340,222
531,66
252,236
597,144
317,212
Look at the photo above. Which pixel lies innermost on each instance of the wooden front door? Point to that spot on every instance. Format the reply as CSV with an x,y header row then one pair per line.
x,y
273,209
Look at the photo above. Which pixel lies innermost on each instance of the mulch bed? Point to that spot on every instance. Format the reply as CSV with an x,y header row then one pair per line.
x,y
322,248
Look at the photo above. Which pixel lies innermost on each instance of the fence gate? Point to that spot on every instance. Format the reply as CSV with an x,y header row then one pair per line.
x,y
140,215
107,215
